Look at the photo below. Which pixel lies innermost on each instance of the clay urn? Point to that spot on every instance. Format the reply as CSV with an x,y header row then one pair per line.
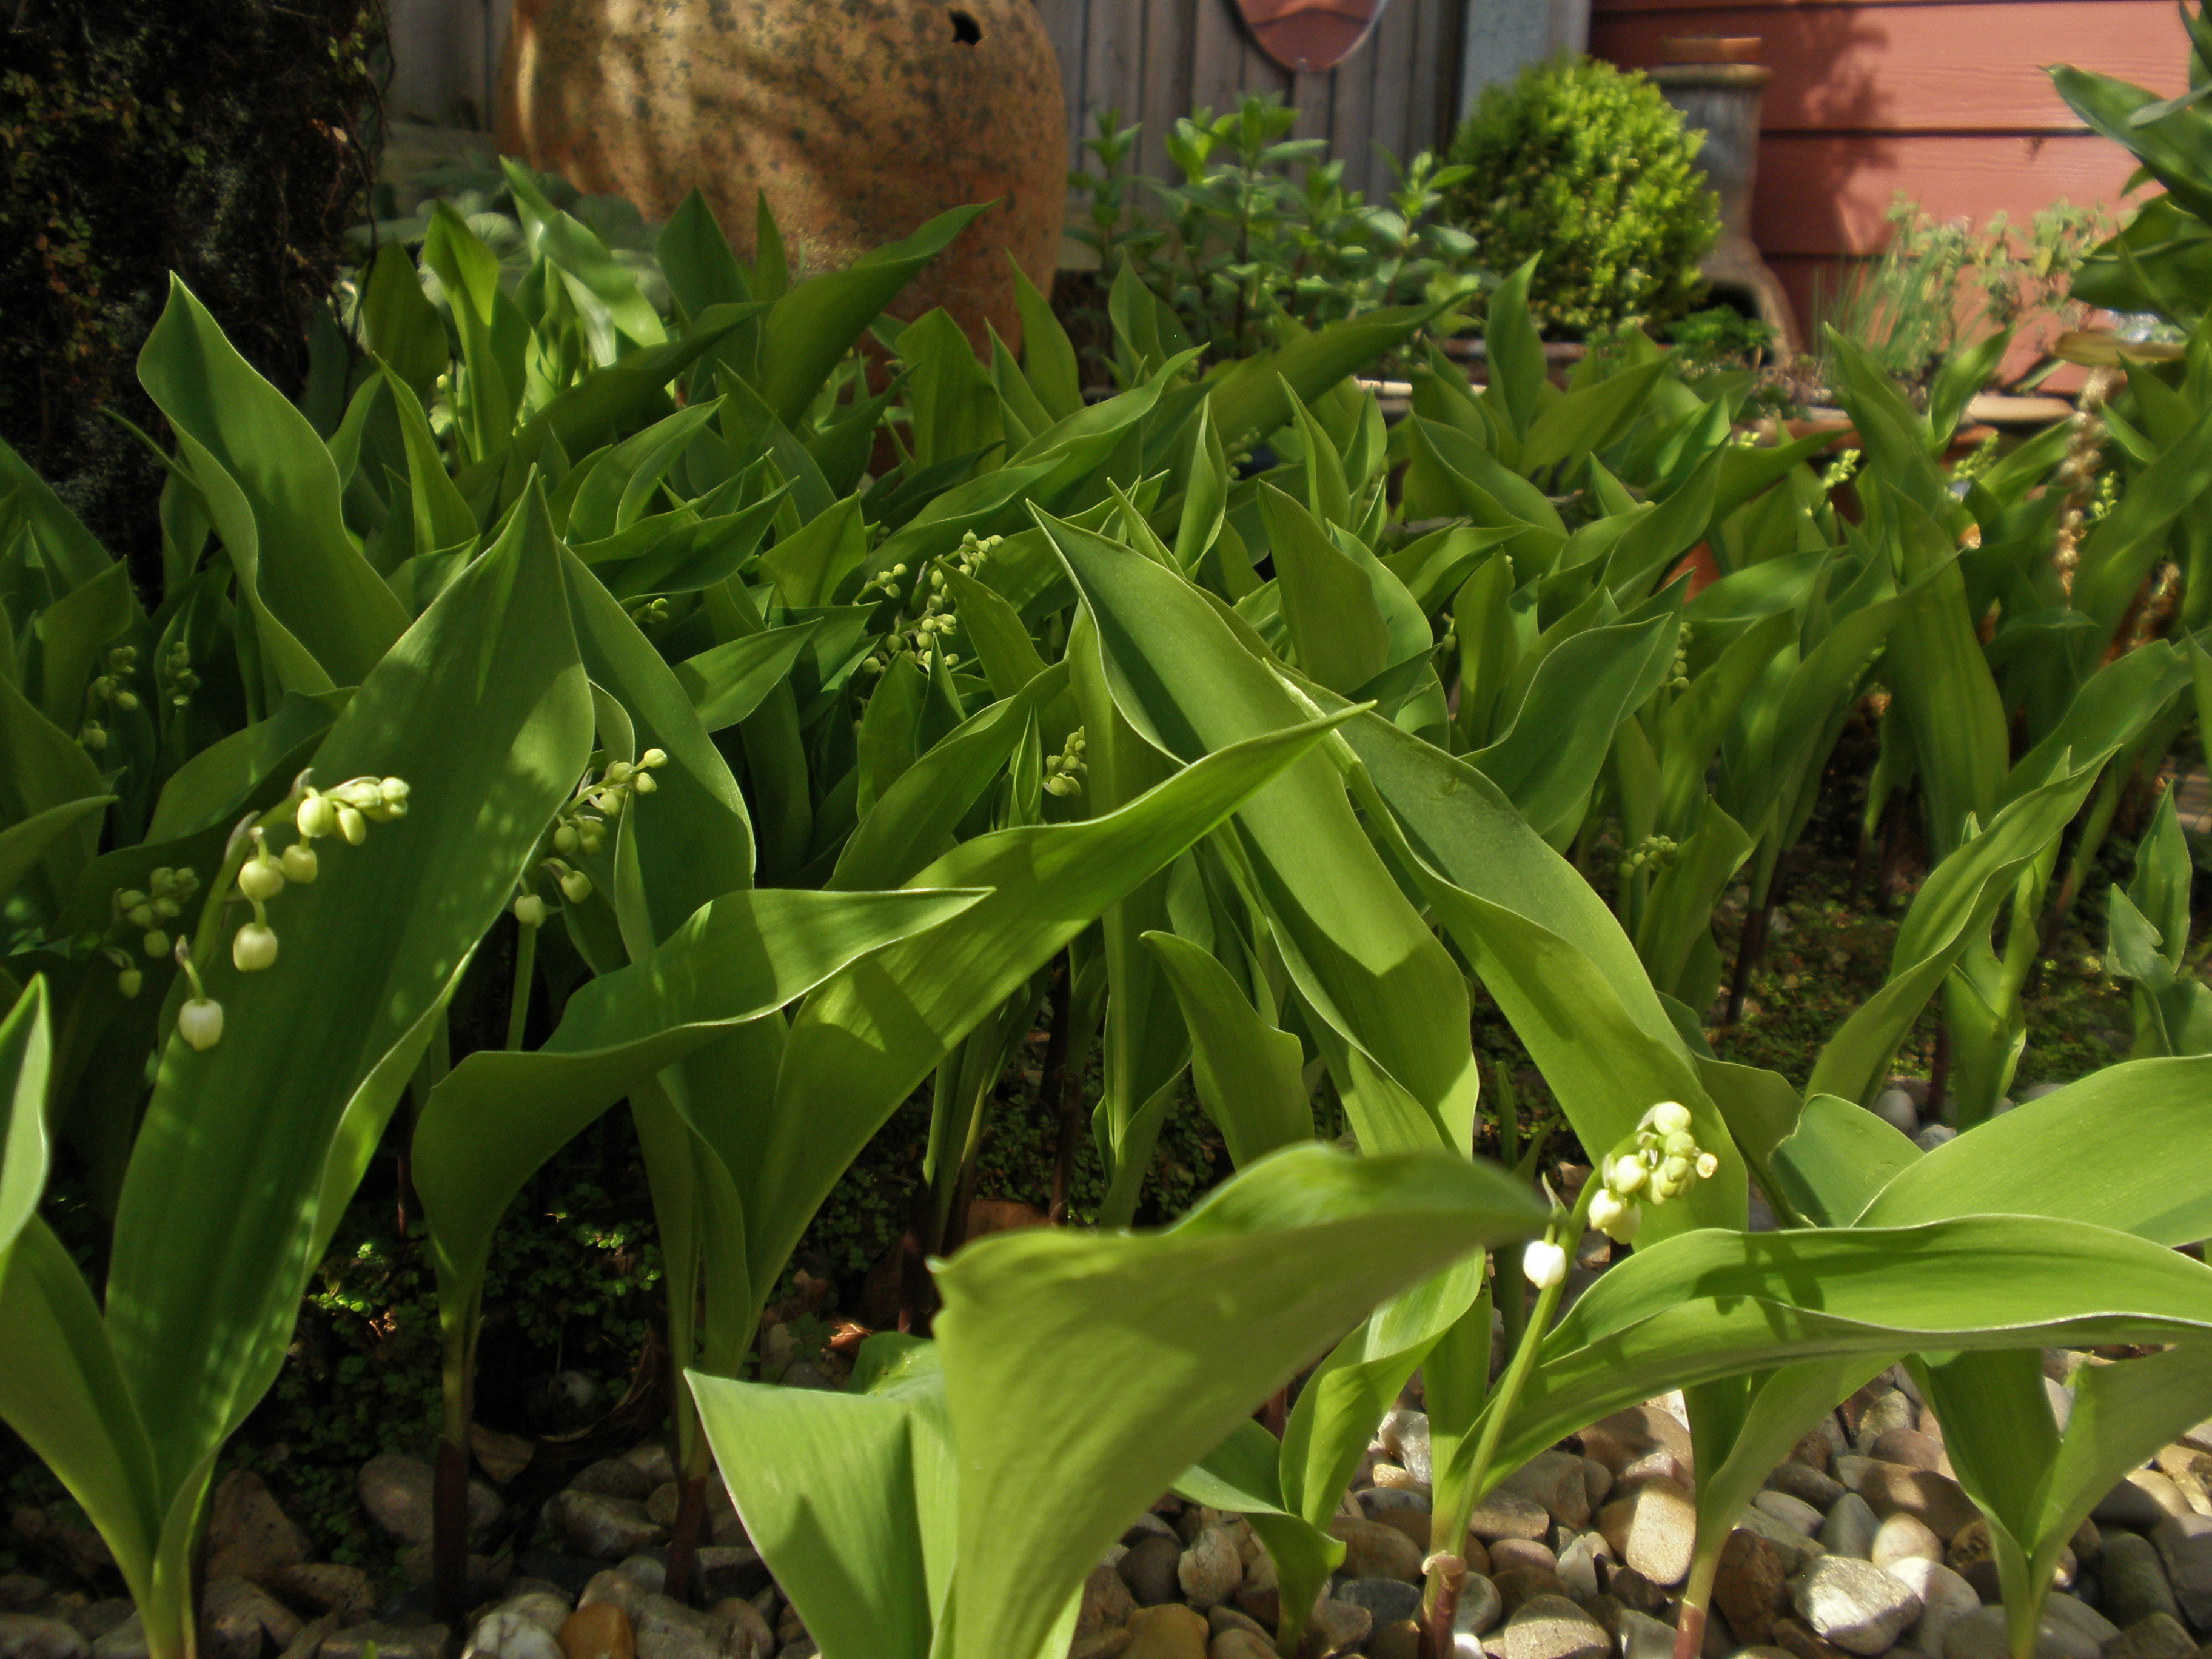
x,y
857,120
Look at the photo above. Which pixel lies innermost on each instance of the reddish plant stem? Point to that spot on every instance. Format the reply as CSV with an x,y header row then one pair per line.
x,y
449,1534
1751,944
1450,1578
1690,1631
683,1536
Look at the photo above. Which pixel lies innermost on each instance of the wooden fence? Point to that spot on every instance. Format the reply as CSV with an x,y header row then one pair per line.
x,y
1152,60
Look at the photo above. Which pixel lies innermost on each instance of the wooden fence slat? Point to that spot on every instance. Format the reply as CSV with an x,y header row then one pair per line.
x,y
1170,28
1113,70
1432,83
1065,21
1216,55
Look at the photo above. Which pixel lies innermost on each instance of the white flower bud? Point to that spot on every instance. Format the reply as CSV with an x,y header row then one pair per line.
x,y
352,826
565,839
298,863
1668,1117
619,771
128,981
317,817
199,1022
593,840
1607,1209
1546,1264
140,915
126,700
1628,1174
576,886
530,910
1626,1225
1677,1170
156,943
653,757
1680,1146
1708,1166
644,783
260,878
253,947
393,791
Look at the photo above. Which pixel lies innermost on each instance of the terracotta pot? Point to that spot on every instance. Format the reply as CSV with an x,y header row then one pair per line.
x,y
858,120
1310,37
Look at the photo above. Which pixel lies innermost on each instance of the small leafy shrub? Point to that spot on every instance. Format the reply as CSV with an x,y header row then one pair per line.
x,y
1589,171
1941,288
1262,226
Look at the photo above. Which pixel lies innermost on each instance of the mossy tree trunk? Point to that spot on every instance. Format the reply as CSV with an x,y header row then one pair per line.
x,y
221,139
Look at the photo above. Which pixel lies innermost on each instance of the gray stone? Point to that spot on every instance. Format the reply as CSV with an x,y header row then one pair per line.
x,y
21,1592
328,1586
1904,1537
1797,1551
1504,1514
547,1609
1805,1484
1479,1607
1894,1409
1405,1436
1639,1636
606,1528
1386,1600
1850,1528
2159,1637
395,1491
236,1618
95,1620
610,1588
501,1634
1556,1480
1945,1598
618,1477
2077,1614
390,1641
666,1629
1854,1604
249,1535
24,1637
1576,1565
1210,1569
1337,1627
2131,1504
1150,1570
1894,1107
2133,1580
727,1570
1106,1604
1792,1512
1508,1553
1552,1627
1652,1529
649,1572
1981,1635
1934,1136
126,1641
2185,1542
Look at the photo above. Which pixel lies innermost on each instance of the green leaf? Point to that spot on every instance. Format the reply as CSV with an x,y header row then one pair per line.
x,y
22,846
849,1497
1247,1070
1241,1476
72,552
1048,356
323,616
1954,907
727,681
860,1045
492,1121
1359,953
400,324
1184,1331
1337,627
481,707
26,1054
1249,397
810,329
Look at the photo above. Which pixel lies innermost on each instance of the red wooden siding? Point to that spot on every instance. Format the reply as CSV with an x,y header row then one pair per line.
x,y
1945,101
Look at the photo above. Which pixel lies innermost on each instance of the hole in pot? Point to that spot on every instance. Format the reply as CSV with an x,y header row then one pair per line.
x,y
965,29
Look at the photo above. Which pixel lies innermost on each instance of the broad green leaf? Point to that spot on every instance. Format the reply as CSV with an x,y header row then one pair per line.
x,y
1955,906
860,1045
1241,1475
1712,1304
996,630
1247,1070
495,1119
1249,396
1336,626
849,1497
1047,357
26,1054
325,617
725,682
1359,954
72,552
23,845
43,768
811,328
400,324
1184,1331
481,707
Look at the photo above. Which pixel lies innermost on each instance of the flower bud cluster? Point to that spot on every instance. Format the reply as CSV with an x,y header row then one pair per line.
x,y
1063,773
345,811
1678,677
1663,1162
167,892
108,691
580,827
176,672
939,616
1650,856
